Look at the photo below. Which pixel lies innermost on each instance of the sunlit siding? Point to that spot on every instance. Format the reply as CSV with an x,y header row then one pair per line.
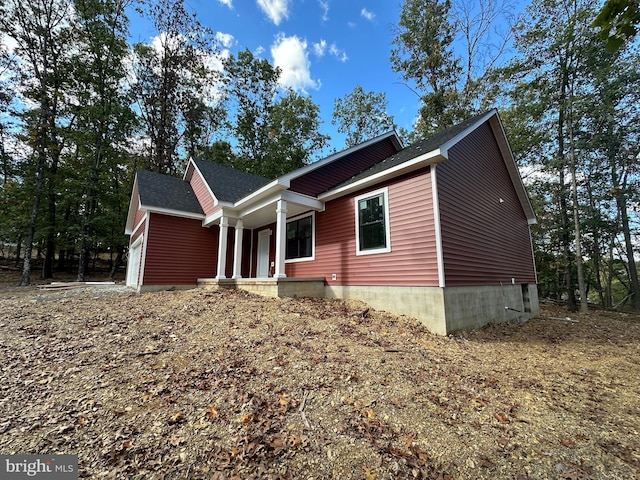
x,y
484,241
412,260
139,216
179,251
139,231
340,170
202,193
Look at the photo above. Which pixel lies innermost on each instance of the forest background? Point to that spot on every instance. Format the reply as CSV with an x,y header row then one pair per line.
x,y
82,108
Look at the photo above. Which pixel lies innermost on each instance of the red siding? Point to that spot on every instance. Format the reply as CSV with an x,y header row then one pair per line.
x,y
334,173
412,260
202,193
137,233
179,251
484,241
139,216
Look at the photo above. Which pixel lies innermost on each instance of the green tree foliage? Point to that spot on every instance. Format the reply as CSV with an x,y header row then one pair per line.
x,y
423,54
42,35
445,51
618,21
171,78
361,115
572,118
103,118
275,132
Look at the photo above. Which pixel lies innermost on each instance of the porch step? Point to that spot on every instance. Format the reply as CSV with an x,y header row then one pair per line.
x,y
270,287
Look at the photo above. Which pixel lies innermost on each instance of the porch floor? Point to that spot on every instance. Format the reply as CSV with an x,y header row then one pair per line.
x,y
270,287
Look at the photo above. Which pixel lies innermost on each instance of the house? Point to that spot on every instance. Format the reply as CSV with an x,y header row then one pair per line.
x,y
438,230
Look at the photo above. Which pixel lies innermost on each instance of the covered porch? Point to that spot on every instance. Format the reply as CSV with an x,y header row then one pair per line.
x,y
252,243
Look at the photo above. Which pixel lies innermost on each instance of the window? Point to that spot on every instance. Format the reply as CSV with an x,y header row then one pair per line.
x,y
372,223
300,238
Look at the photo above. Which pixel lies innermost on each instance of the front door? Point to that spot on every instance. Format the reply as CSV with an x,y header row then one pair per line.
x,y
264,238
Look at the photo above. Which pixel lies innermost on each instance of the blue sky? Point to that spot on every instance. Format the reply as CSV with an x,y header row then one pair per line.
x,y
324,47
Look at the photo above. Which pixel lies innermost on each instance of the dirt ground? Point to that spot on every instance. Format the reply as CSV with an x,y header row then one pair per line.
x,y
207,384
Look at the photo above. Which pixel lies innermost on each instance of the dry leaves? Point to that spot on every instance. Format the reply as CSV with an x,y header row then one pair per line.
x,y
222,385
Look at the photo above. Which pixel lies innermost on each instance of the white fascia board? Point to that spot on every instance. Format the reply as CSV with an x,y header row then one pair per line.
x,y
271,188
173,213
131,214
301,199
324,161
447,145
206,184
429,158
188,172
214,217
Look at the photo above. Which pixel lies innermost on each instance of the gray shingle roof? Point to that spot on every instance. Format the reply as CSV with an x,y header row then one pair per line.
x,y
229,184
164,191
415,150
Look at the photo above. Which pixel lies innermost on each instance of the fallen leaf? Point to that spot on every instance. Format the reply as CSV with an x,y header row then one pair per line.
x,y
212,412
246,419
501,417
177,418
369,474
368,412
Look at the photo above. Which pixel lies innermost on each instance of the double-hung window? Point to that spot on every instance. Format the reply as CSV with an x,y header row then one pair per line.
x,y
372,222
300,238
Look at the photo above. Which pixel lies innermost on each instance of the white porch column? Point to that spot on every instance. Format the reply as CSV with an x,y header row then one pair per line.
x,y
237,255
222,247
281,238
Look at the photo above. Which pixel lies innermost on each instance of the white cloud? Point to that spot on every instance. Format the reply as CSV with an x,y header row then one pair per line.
x,y
338,53
276,10
225,39
226,2
367,14
325,10
290,55
319,48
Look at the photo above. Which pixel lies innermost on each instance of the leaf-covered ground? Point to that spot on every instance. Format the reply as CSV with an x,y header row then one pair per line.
x,y
206,384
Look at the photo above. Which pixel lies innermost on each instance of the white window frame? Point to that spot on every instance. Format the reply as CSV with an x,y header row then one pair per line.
x,y
387,231
313,238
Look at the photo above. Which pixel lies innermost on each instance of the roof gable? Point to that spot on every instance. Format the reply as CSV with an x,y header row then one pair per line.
x,y
433,150
226,183
158,191
345,165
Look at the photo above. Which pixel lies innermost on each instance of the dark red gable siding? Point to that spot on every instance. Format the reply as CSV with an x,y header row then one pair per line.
x,y
334,173
484,241
199,187
412,260
179,251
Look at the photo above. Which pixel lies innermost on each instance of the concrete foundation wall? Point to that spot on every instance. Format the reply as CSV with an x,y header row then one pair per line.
x,y
423,303
451,309
468,308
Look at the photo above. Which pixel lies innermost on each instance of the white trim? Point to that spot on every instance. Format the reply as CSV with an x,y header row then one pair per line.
x,y
206,184
385,193
281,238
130,282
429,158
173,213
143,258
144,219
313,238
437,226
